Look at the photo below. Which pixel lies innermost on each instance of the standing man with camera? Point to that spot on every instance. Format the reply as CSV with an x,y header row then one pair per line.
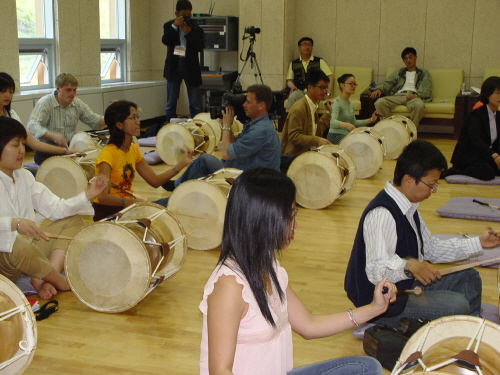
x,y
298,69
184,39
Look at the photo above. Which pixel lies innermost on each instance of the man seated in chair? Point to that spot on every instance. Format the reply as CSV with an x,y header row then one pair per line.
x,y
298,69
408,86
303,128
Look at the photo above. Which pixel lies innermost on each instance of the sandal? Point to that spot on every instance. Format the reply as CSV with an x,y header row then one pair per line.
x,y
47,310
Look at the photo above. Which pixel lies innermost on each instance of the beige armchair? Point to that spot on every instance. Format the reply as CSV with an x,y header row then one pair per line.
x,y
446,85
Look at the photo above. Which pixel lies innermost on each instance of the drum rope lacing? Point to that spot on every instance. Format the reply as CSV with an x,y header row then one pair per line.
x,y
477,336
337,158
28,345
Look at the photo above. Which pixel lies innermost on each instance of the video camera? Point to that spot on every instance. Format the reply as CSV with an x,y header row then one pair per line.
x,y
252,30
236,97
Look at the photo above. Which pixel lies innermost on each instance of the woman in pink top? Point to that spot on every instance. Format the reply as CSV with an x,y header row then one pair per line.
x,y
248,307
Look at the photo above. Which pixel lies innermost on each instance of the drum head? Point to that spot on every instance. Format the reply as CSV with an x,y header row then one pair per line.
x,y
366,149
108,267
223,178
318,179
166,229
396,136
172,141
444,338
16,330
200,207
215,124
236,126
82,141
63,176
345,161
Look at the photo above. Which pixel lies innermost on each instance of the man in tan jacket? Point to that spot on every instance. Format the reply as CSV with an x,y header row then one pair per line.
x,y
303,128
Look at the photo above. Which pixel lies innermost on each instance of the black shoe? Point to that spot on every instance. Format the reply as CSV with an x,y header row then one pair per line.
x,y
169,185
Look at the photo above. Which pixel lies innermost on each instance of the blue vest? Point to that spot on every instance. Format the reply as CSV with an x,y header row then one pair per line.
x,y
359,289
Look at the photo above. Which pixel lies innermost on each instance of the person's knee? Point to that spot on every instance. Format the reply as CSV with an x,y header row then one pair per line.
x,y
457,304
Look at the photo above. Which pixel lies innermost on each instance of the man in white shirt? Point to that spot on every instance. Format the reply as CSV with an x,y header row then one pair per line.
x,y
56,115
408,86
298,69
393,241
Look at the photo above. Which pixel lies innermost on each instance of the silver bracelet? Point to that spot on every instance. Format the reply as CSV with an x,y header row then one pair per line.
x,y
175,170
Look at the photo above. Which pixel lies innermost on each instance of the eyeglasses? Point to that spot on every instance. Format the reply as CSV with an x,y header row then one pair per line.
x,y
322,88
134,118
305,44
352,84
433,188
295,212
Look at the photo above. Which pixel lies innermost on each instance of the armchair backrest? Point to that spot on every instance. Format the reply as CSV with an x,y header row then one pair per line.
x,y
364,76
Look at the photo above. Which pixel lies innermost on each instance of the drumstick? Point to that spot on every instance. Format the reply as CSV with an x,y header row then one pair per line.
x,y
196,217
465,266
136,195
58,236
417,290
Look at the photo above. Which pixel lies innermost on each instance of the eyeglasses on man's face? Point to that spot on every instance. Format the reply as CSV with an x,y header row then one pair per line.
x,y
433,188
134,118
322,88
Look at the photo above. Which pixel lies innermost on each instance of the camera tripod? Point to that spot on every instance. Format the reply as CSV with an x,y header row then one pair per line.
x,y
253,63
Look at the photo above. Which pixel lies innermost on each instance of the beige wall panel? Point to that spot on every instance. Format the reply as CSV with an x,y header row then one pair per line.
x,y
272,37
139,47
449,35
161,11
289,49
78,40
400,26
317,20
355,44
9,48
485,53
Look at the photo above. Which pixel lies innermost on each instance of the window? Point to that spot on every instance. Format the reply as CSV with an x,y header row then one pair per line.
x,y
35,25
113,42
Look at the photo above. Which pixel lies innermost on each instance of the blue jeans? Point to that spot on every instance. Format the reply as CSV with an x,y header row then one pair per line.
x,y
173,89
162,202
341,366
201,166
457,293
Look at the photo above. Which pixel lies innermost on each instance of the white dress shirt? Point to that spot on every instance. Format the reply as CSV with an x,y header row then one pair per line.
x,y
22,195
493,124
379,231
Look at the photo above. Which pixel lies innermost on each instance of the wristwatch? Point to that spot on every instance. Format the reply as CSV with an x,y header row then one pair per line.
x,y
407,270
226,128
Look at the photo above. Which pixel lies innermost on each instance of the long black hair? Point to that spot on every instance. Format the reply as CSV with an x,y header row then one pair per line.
x,y
7,83
257,226
117,112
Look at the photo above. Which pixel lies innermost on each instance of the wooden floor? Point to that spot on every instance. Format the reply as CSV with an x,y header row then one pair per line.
x,y
161,335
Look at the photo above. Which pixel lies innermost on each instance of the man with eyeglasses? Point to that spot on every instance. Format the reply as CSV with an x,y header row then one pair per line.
x,y
393,241
303,127
408,86
56,115
298,69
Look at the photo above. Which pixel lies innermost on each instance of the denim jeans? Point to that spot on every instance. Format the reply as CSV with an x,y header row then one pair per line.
x,y
162,202
457,293
201,166
173,89
341,366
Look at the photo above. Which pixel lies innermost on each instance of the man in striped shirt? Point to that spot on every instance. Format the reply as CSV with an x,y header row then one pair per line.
x,y
393,241
56,115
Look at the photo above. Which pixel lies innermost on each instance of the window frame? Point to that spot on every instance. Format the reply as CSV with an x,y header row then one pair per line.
x,y
117,44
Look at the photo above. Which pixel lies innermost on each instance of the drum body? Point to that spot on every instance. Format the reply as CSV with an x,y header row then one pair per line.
x,y
318,177
83,141
174,139
200,206
66,176
344,161
398,131
18,333
112,265
367,149
216,125
439,343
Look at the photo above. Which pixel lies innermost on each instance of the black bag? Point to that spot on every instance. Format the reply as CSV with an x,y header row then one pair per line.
x,y
385,343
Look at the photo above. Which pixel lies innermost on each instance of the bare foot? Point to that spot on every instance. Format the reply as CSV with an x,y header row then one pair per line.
x,y
44,289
